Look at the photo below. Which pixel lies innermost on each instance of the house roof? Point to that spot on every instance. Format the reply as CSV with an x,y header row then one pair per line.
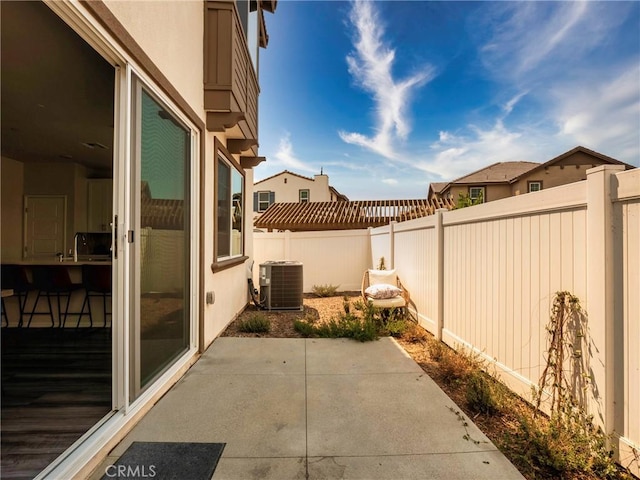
x,y
600,156
339,196
345,215
501,172
438,187
510,172
283,173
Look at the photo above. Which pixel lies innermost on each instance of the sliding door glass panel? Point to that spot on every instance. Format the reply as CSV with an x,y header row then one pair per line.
x,y
160,320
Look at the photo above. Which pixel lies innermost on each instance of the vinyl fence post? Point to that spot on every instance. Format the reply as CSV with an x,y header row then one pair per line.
x,y
439,231
392,244
601,289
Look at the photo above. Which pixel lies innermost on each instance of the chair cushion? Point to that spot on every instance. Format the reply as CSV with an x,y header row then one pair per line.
x,y
383,276
381,291
395,302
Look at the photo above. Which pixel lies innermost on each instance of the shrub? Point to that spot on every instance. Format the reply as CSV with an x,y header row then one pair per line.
x,y
481,395
324,290
414,333
257,323
395,327
558,449
437,349
304,327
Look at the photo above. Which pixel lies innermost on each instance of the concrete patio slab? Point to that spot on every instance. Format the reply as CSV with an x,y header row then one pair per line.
x,y
450,466
319,408
261,469
384,414
232,356
327,356
255,415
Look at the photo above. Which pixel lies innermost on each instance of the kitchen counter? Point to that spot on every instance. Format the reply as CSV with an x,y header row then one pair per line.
x,y
55,261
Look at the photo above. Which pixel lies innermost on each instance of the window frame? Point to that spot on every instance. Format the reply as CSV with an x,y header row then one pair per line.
x,y
534,182
222,262
481,191
268,201
300,192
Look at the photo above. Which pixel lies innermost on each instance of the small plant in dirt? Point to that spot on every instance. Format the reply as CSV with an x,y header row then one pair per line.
x,y
566,443
304,327
481,394
455,367
327,290
414,333
256,323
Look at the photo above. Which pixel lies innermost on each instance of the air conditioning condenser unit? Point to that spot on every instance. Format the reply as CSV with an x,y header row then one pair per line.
x,y
281,285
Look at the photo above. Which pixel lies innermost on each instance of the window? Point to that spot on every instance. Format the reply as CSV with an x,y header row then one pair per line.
x,y
262,200
535,186
229,207
476,194
303,196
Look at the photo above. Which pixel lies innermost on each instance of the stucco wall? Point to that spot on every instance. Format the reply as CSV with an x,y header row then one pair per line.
x,y
171,33
287,187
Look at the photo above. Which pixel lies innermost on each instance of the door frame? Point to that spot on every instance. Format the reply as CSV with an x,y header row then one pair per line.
x,y
99,28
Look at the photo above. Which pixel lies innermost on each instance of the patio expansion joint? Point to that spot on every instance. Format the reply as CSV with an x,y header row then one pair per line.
x,y
306,416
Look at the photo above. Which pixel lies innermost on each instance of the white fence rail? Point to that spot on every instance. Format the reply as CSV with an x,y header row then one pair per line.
x,y
484,277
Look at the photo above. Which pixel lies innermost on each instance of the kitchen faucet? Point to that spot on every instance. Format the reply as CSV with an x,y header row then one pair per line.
x,y
83,238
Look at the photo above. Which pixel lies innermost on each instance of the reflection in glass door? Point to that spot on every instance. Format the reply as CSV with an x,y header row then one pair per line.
x,y
160,240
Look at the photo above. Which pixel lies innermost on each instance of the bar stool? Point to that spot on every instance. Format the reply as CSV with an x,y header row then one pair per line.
x,y
96,280
6,292
53,281
14,277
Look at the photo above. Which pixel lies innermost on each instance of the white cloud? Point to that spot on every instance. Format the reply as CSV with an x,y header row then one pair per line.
x,y
533,40
390,181
286,157
546,52
371,67
604,115
455,155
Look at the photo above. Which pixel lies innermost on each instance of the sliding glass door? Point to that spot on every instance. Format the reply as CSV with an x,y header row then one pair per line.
x,y
160,240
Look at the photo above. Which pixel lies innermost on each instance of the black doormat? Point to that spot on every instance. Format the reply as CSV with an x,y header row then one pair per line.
x,y
166,461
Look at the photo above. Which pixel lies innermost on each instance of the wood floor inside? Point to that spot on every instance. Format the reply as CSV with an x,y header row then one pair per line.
x,y
56,385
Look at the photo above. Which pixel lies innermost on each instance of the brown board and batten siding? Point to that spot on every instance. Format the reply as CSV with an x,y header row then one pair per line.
x,y
230,83
345,215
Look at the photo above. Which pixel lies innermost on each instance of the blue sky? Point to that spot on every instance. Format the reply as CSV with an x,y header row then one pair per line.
x,y
387,97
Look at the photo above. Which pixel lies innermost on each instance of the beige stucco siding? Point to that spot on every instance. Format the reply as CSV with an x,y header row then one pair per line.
x,y
171,34
287,187
492,192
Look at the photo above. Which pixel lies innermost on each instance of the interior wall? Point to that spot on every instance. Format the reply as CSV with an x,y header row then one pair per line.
x,y
54,179
12,197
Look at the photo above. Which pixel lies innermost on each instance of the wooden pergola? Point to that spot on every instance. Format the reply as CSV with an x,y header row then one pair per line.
x,y
314,216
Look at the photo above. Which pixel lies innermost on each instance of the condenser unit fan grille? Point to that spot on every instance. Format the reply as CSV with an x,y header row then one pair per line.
x,y
281,285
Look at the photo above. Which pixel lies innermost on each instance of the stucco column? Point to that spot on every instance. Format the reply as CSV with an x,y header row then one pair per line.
x,y
601,287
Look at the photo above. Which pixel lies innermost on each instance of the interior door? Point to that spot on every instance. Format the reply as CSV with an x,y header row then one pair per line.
x,y
45,224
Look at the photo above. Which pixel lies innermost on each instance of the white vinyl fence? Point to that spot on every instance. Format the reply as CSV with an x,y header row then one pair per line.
x,y
328,258
484,278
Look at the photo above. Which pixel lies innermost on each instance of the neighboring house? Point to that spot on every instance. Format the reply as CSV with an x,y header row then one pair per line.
x,y
347,215
505,179
157,101
290,187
